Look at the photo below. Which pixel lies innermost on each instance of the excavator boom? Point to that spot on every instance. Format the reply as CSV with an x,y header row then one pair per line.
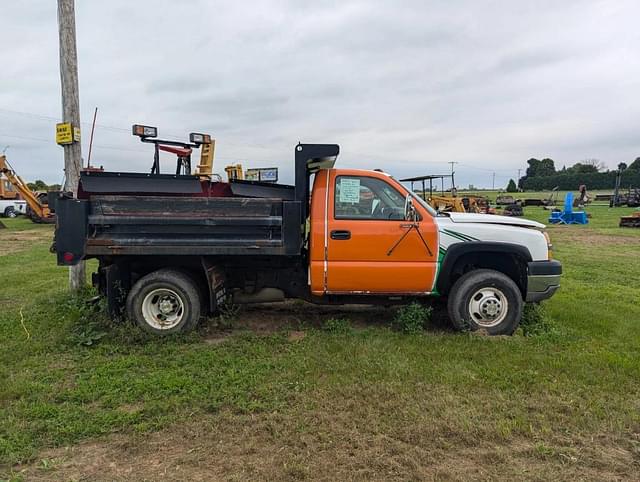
x,y
41,213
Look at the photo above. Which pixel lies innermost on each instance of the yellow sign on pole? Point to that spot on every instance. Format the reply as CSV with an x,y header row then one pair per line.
x,y
76,134
64,133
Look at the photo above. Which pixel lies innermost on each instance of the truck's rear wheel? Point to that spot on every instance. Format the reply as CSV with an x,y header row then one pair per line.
x,y
487,300
164,302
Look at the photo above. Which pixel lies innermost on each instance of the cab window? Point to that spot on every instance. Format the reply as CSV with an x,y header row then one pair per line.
x,y
362,197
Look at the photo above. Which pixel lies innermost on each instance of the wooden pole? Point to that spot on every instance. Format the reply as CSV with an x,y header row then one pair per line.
x,y
70,113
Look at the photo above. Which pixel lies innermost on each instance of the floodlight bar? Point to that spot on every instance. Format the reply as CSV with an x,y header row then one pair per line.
x,y
196,138
144,131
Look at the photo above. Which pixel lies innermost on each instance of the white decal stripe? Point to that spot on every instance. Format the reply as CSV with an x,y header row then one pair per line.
x,y
326,231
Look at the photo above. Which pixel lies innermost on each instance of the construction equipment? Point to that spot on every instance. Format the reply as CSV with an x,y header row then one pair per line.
x,y
505,200
514,209
38,208
632,221
7,192
568,215
631,198
549,202
446,204
234,172
615,199
449,203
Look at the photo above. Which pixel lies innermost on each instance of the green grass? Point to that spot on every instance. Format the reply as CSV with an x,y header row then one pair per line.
x,y
556,390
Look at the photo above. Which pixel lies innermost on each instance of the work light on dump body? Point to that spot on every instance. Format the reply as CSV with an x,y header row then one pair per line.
x,y
144,131
196,138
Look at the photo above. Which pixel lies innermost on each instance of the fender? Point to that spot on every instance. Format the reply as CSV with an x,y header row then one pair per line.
x,y
457,250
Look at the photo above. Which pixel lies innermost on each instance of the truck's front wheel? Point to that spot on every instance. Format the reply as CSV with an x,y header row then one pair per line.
x,y
164,302
487,300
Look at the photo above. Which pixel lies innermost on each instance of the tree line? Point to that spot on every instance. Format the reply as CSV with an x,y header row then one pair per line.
x,y
39,185
542,175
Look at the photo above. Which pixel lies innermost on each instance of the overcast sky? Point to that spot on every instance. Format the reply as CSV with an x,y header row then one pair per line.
x,y
405,86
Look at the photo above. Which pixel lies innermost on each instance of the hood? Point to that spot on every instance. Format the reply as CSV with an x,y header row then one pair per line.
x,y
493,219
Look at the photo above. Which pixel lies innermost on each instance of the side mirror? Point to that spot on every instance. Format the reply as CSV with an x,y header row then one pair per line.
x,y
409,209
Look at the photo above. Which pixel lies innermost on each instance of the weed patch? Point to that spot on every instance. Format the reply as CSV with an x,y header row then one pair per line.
x,y
337,326
227,315
412,318
536,321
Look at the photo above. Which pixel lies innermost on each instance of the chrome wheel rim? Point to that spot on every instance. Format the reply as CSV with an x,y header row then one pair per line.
x,y
488,307
162,309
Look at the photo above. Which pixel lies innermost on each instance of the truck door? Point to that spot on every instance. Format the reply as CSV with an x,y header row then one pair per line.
x,y
371,248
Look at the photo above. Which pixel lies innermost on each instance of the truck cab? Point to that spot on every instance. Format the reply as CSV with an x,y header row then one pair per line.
x,y
172,249
372,236
361,240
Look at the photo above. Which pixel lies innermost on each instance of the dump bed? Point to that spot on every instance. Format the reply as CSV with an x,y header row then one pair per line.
x,y
134,214
159,225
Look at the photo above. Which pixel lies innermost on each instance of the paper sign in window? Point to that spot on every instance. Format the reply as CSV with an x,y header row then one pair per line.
x,y
349,190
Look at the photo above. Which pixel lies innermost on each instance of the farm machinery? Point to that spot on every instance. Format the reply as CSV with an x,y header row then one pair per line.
x,y
37,204
631,198
632,221
449,202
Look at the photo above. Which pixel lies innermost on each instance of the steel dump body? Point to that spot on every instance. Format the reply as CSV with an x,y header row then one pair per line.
x,y
157,225
132,215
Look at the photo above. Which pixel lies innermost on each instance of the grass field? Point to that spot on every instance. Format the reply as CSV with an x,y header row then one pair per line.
x,y
278,398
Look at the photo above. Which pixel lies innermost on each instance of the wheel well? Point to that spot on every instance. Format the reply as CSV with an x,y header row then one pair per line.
x,y
510,264
116,277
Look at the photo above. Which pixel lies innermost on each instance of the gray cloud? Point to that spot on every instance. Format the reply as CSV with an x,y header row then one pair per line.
x,y
406,86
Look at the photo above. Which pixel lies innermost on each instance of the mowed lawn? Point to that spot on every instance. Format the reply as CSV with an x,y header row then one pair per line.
x,y
276,397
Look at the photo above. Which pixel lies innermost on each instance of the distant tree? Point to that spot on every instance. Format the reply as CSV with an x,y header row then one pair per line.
x,y
38,185
594,163
622,166
537,168
635,164
582,168
54,187
511,187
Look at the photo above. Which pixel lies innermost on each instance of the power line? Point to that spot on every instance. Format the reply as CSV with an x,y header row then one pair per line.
x,y
113,128
57,119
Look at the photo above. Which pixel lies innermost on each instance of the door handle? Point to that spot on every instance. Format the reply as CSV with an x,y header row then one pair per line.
x,y
340,234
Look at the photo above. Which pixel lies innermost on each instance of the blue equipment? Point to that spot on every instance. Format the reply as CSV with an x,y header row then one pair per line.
x,y
568,215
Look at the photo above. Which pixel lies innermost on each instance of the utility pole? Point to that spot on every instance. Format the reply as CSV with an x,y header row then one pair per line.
x,y
70,113
493,182
518,180
453,181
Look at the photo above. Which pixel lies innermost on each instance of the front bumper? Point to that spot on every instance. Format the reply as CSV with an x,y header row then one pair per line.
x,y
543,280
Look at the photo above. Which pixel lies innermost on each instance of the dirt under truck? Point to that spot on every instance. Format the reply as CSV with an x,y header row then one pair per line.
x,y
175,248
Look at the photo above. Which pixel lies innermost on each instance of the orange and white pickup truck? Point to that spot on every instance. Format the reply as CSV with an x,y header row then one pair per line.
x,y
172,249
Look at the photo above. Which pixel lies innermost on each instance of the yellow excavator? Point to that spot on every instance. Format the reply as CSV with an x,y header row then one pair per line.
x,y
448,202
39,211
